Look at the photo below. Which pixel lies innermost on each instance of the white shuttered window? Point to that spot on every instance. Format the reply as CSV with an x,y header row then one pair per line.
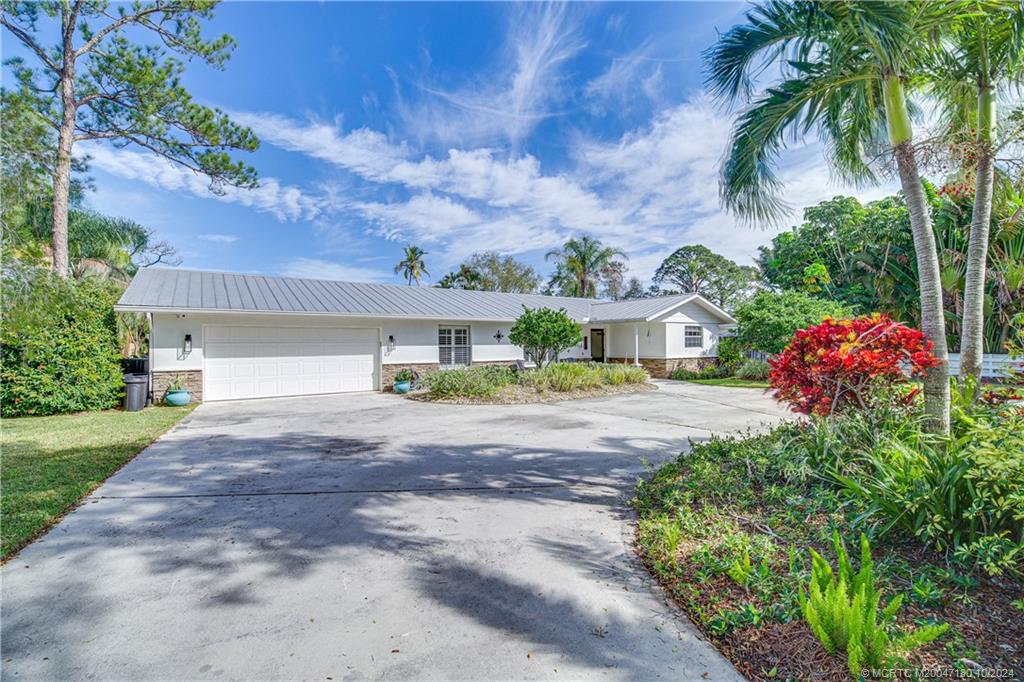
x,y
453,346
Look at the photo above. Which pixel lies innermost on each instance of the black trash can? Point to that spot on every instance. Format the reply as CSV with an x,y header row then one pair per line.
x,y
135,386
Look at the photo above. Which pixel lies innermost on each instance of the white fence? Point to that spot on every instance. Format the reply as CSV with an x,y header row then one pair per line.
x,y
992,366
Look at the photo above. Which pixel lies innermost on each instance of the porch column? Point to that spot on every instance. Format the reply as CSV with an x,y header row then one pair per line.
x,y
636,345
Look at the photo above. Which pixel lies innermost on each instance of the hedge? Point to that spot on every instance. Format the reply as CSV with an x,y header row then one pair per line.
x,y
58,345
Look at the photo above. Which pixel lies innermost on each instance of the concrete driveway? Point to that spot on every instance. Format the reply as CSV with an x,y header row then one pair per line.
x,y
366,536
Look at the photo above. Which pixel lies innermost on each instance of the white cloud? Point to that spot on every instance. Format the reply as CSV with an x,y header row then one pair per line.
x,y
505,103
315,268
617,85
219,238
285,202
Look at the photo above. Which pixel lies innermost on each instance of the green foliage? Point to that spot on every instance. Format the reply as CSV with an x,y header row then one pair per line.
x,y
730,352
130,92
59,345
405,374
490,271
754,370
964,493
543,333
582,266
768,321
843,609
707,372
480,381
412,266
697,269
564,377
617,374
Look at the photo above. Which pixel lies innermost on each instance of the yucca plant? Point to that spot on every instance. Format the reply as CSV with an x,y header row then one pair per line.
x,y
844,611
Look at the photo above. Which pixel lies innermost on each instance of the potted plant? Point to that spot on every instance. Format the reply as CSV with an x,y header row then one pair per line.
x,y
405,380
177,394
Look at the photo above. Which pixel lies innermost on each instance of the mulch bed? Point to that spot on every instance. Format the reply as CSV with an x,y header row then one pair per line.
x,y
523,395
992,629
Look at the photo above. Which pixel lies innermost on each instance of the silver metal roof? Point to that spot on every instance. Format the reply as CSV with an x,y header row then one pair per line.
x,y
161,289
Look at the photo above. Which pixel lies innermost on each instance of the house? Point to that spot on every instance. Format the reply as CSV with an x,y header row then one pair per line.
x,y
229,336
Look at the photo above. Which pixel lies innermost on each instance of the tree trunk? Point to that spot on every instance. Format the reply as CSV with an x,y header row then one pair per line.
x,y
933,321
62,165
936,382
973,332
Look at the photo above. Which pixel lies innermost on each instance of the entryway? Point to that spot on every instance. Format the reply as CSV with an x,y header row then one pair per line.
x,y
597,345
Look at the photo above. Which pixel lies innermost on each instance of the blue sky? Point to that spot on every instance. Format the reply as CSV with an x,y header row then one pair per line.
x,y
458,127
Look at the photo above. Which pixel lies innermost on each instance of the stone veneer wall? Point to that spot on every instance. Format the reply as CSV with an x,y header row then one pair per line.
x,y
660,368
190,379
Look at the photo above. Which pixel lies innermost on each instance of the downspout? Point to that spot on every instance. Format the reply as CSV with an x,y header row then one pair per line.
x,y
149,361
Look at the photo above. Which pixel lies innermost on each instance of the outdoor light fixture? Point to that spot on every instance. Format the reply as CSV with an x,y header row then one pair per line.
x,y
391,342
186,348
499,336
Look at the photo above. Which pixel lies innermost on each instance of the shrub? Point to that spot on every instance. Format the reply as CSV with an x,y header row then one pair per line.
x,y
565,376
543,333
964,493
405,374
708,372
843,610
58,345
617,374
754,370
730,352
768,321
481,381
856,362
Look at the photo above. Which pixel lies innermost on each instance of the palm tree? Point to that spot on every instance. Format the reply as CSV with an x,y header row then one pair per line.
x,y
985,55
846,68
580,265
412,266
463,278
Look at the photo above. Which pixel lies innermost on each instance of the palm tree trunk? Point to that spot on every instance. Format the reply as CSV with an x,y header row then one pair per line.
x,y
972,338
936,382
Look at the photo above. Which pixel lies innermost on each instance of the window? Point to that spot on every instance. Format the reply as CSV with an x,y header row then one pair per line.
x,y
453,346
693,337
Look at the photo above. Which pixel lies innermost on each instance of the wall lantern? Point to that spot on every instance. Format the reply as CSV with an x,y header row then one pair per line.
x,y
391,342
186,347
499,336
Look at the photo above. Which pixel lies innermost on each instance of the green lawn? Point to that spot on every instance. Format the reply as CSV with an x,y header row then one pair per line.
x,y
732,382
50,463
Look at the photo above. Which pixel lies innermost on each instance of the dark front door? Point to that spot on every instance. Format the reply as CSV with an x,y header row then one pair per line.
x,y
597,345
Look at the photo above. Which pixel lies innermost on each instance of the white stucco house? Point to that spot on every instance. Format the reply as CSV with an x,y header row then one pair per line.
x,y
231,336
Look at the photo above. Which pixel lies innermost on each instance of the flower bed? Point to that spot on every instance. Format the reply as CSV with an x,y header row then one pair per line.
x,y
490,384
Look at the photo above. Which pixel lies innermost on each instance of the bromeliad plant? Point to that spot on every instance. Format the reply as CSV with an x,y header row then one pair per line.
x,y
849,363
844,611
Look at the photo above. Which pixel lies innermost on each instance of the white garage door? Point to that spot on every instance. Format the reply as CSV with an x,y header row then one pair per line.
x,y
263,362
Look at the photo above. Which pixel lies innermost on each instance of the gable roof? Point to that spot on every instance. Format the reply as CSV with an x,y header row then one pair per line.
x,y
169,290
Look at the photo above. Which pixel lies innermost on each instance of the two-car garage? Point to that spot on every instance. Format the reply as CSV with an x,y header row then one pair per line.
x,y
272,361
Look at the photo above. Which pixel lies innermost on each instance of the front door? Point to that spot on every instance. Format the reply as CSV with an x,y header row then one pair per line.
x,y
597,345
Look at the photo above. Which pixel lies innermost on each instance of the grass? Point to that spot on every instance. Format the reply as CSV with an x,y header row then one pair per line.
x,y
731,382
50,463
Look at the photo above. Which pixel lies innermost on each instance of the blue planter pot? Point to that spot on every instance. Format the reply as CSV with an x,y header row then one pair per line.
x,y
179,397
403,386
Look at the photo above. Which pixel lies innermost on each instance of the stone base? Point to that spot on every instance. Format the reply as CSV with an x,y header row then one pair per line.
x,y
661,368
190,379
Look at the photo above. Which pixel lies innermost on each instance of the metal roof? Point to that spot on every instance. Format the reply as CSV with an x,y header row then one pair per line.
x,y
162,289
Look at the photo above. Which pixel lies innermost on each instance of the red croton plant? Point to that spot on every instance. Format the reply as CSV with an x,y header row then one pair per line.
x,y
842,364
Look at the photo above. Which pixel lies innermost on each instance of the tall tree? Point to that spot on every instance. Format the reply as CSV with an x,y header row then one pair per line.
x,y
697,269
463,278
986,56
412,266
845,71
503,273
95,83
634,289
580,266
